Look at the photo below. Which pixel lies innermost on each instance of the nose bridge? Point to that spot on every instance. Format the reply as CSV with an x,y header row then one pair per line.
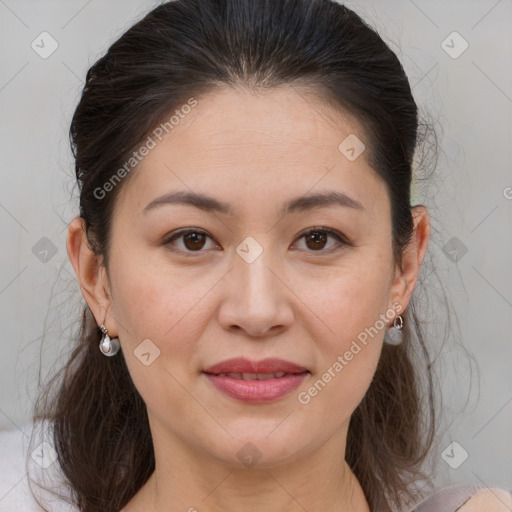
x,y
256,299
256,281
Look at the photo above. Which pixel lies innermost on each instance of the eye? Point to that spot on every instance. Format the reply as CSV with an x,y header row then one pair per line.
x,y
193,239
316,239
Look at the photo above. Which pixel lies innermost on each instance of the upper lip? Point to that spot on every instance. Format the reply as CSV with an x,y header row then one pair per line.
x,y
242,365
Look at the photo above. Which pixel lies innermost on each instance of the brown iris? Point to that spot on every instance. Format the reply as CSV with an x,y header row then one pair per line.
x,y
318,238
194,241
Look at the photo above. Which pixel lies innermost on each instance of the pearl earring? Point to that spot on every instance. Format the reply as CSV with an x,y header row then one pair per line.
x,y
398,322
108,346
395,336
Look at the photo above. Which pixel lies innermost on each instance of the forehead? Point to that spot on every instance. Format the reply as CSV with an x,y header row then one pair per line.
x,y
254,144
231,118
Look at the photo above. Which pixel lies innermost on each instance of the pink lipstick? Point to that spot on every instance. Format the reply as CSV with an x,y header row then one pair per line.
x,y
256,381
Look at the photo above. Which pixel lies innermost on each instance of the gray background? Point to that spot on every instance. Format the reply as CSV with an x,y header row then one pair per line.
x,y
468,97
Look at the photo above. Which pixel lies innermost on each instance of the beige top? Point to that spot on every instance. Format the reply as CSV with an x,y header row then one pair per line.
x,y
449,499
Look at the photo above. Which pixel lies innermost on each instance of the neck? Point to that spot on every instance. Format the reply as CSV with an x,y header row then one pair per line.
x,y
184,481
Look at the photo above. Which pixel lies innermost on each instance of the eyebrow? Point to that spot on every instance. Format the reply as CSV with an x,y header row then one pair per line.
x,y
297,204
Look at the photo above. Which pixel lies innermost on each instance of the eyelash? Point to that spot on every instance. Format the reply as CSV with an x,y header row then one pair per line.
x,y
343,241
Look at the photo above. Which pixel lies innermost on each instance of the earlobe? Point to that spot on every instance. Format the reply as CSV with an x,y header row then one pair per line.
x,y
90,273
412,258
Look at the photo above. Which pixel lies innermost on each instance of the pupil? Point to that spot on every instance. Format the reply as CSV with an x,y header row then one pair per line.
x,y
195,238
317,237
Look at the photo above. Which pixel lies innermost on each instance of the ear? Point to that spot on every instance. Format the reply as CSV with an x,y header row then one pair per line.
x,y
91,275
412,258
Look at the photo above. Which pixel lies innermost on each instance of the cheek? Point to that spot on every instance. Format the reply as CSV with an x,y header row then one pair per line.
x,y
169,310
151,303
350,314
165,312
347,301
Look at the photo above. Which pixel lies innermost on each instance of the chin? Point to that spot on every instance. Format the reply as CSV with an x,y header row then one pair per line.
x,y
259,450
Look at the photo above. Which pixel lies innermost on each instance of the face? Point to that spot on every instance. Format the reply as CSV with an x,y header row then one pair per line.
x,y
192,286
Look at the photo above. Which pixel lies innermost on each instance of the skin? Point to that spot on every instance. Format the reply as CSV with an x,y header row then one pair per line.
x,y
489,500
296,301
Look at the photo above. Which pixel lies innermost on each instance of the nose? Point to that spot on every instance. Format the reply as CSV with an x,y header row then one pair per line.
x,y
257,299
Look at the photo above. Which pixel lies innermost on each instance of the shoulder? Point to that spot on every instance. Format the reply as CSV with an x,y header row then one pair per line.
x,y
466,498
489,500
21,459
14,487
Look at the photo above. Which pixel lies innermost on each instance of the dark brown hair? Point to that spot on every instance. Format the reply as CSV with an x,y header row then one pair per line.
x,y
184,49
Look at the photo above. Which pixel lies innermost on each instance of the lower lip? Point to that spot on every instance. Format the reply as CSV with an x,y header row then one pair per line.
x,y
257,390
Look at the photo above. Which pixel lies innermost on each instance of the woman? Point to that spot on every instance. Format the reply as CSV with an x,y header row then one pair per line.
x,y
248,252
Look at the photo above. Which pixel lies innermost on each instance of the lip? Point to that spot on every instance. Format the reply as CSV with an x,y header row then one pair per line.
x,y
243,365
256,391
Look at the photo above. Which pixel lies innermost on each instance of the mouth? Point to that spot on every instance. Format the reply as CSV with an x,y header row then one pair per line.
x,y
242,366
255,376
256,382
